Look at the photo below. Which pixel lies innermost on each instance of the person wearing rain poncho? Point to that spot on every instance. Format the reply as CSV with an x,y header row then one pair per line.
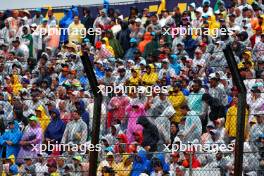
x,y
109,162
134,111
176,98
13,168
125,167
256,130
142,44
16,85
231,120
106,44
117,107
246,57
159,165
115,44
250,161
6,111
32,136
150,77
140,164
130,52
56,127
107,142
10,140
163,124
134,80
193,126
151,135
42,116
151,48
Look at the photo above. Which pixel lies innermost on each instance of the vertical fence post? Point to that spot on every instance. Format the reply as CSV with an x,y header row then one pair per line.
x,y
88,68
241,111
190,165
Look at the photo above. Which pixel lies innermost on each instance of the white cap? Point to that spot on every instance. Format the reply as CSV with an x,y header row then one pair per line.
x,y
193,5
166,60
143,62
121,17
138,20
212,75
131,61
33,25
99,62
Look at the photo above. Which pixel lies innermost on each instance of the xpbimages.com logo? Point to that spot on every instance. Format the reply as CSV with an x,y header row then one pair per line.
x,y
147,90
207,147
80,148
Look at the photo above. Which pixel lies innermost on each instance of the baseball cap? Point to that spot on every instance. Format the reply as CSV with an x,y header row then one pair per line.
x,y
33,118
138,20
133,40
78,158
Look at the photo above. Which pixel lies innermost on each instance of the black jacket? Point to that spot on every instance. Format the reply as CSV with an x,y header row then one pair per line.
x,y
150,133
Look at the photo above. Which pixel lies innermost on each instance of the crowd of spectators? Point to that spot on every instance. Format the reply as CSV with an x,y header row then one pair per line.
x,y
45,96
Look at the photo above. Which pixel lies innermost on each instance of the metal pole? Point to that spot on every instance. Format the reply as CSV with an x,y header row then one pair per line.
x,y
190,165
88,68
239,145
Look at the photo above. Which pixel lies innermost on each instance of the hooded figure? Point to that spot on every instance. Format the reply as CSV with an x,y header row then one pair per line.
x,y
150,133
122,146
32,136
151,48
130,52
108,142
134,111
150,77
134,79
56,127
107,46
64,24
16,85
125,166
10,139
217,109
84,114
115,44
141,164
175,65
123,36
160,158
142,44
190,45
43,118
163,124
6,112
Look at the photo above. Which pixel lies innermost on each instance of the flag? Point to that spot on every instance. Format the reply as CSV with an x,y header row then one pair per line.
x,y
162,6
106,4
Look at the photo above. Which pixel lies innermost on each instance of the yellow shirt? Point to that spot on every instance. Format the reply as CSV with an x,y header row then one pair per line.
x,y
76,32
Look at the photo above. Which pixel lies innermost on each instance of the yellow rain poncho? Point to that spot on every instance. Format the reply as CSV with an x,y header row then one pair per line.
x,y
177,99
152,78
123,168
134,81
231,122
16,85
241,64
108,47
43,118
